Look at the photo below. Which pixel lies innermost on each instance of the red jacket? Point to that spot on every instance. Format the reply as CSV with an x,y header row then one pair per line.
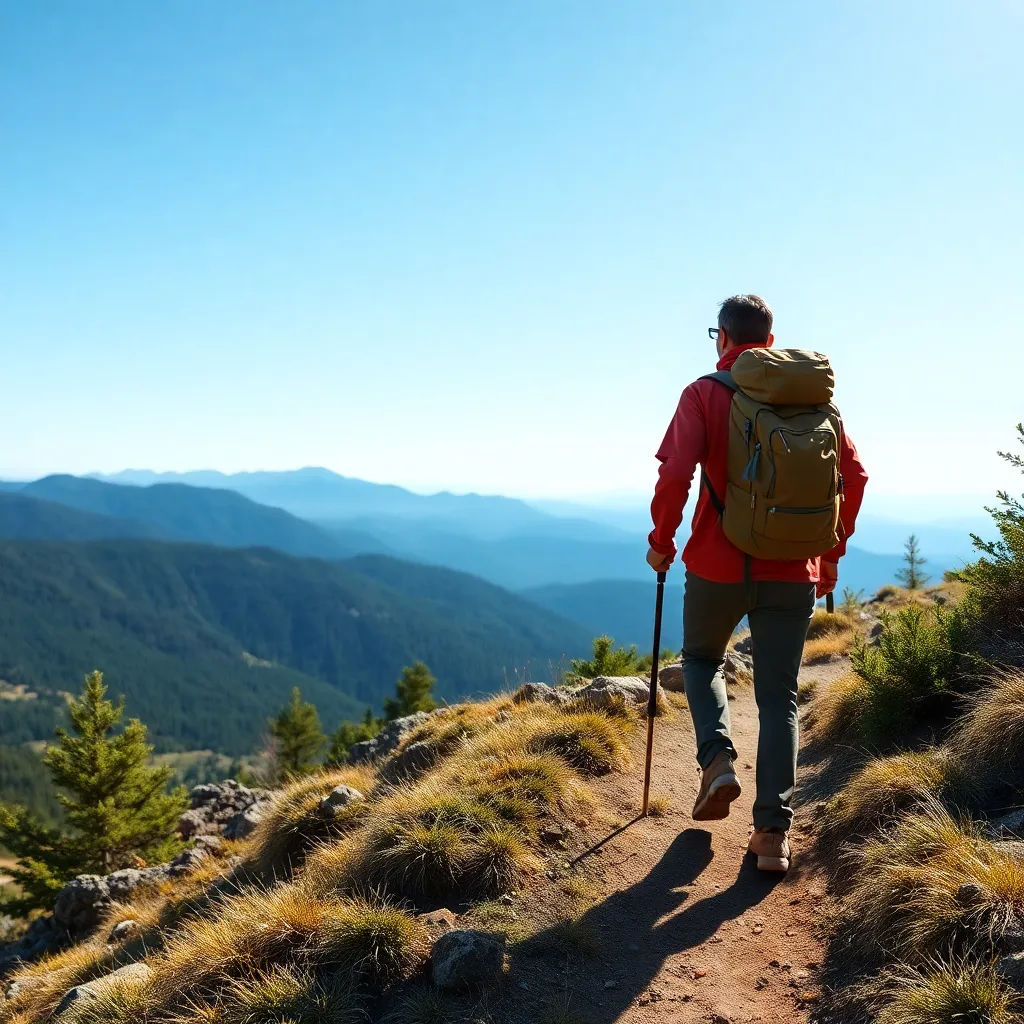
x,y
699,434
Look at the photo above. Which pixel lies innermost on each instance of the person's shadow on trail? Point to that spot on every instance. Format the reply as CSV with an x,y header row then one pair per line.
x,y
659,917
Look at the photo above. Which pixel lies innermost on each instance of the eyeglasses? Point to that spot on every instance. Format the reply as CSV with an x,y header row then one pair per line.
x,y
714,332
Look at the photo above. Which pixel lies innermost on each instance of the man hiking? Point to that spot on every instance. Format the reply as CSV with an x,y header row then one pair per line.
x,y
780,488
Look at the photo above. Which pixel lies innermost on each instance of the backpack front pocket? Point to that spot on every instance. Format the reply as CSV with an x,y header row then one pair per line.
x,y
780,522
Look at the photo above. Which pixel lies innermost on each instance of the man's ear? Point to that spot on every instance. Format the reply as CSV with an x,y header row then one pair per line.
x,y
770,341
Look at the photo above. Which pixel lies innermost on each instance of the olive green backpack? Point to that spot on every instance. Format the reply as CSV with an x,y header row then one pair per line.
x,y
784,487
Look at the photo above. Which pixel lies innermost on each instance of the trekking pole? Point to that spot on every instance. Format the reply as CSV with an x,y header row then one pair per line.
x,y
652,700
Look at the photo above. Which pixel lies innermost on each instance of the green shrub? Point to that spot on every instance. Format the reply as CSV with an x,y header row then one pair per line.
x,y
996,580
919,656
958,991
608,661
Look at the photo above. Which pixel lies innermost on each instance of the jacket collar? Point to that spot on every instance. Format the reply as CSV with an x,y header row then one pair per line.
x,y
730,357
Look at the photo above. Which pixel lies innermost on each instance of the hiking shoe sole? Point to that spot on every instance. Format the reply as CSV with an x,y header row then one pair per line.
x,y
779,864
721,794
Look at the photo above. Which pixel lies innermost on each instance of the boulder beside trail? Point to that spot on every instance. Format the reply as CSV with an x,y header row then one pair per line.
x,y
670,677
528,693
738,668
607,690
465,959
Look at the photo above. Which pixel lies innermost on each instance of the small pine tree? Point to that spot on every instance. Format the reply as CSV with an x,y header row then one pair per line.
x,y
413,692
350,733
996,579
608,660
298,737
912,576
852,600
117,808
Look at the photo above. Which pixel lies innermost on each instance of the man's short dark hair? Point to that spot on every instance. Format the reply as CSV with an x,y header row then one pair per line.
x,y
747,319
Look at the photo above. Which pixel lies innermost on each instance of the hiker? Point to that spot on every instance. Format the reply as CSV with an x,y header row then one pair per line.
x,y
781,485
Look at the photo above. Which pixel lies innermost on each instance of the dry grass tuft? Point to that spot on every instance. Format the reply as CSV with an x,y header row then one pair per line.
x,y
422,1006
373,941
416,860
829,636
956,991
806,690
293,824
825,623
116,1003
991,736
501,859
587,741
933,883
886,787
837,710
658,805
282,994
54,975
290,923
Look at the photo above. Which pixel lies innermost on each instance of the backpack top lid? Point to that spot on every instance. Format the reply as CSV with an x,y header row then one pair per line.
x,y
784,376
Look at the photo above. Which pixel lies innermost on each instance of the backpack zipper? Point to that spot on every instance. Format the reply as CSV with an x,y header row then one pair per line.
x,y
798,511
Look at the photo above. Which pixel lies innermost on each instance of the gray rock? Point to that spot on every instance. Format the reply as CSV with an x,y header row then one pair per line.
x,y
338,799
24,984
410,763
1011,940
969,894
529,693
124,930
670,677
1011,848
1011,969
468,959
211,844
738,668
745,645
244,823
81,903
186,862
216,805
387,739
194,822
606,690
1011,824
130,976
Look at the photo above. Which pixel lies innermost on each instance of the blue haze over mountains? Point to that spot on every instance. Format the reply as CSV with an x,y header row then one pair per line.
x,y
561,556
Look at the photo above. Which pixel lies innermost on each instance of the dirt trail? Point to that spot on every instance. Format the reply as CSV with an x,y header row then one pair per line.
x,y
688,929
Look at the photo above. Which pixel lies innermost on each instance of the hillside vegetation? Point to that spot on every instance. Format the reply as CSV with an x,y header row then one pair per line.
x,y
318,919
929,877
205,642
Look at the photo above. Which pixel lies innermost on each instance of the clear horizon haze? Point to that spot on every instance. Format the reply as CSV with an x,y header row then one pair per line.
x,y
477,247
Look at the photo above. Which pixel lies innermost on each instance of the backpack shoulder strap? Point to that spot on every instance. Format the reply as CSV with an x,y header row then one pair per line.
x,y
723,377
726,378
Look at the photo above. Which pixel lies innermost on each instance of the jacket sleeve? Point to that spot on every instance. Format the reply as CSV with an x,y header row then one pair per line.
x,y
684,446
854,480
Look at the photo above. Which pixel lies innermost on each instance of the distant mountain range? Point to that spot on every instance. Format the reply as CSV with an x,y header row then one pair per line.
x,y
589,572
320,495
206,642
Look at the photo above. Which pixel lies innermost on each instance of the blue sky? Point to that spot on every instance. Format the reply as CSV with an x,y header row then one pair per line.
x,y
452,243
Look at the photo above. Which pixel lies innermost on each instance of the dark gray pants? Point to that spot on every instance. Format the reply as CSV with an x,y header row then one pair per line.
x,y
778,614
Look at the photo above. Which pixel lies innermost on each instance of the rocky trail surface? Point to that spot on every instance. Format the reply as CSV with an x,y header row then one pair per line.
x,y
685,927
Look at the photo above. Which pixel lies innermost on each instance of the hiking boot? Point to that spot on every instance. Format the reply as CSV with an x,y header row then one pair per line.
x,y
771,845
718,788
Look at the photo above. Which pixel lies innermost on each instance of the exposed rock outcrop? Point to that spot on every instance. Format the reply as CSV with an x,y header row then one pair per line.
x,y
468,959
387,740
